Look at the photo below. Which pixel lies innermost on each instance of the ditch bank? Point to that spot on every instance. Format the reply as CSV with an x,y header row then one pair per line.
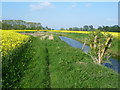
x,y
81,37
71,68
115,64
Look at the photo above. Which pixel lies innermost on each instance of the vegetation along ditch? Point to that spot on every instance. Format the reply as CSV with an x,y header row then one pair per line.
x,y
114,62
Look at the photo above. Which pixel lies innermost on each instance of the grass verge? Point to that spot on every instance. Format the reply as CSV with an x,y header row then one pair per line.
x,y
37,73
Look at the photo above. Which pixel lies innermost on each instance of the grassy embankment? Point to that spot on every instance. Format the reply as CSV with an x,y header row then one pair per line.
x,y
81,37
53,63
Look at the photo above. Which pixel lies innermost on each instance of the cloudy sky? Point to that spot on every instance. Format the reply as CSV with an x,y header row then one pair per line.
x,y
63,14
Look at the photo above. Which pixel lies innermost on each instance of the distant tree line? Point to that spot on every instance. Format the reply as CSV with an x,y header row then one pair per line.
x,y
114,28
0,24
85,28
21,25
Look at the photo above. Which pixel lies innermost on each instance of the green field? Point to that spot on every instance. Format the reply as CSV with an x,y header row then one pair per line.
x,y
55,64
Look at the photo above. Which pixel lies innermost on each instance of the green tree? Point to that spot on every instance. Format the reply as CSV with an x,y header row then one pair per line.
x,y
91,27
20,24
81,29
46,28
86,28
0,25
62,28
100,28
70,28
75,29
114,28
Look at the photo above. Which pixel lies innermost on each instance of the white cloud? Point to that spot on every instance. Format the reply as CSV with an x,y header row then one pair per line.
x,y
88,4
111,19
73,6
40,5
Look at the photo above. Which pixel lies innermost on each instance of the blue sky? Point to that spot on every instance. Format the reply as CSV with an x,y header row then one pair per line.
x,y
63,14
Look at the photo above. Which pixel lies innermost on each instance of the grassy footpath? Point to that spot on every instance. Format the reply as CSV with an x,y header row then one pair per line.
x,y
81,37
54,64
36,75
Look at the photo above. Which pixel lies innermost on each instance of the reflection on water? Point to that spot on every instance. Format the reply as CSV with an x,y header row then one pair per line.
x,y
75,43
115,64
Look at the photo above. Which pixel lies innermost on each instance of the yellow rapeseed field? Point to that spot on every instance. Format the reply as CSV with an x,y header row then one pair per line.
x,y
10,40
115,34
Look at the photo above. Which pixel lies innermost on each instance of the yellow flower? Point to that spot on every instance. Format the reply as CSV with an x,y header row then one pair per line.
x,y
10,40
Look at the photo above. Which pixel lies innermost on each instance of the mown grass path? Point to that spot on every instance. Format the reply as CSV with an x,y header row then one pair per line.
x,y
47,69
37,73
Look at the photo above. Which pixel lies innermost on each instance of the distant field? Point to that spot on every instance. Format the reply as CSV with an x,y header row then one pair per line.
x,y
115,34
